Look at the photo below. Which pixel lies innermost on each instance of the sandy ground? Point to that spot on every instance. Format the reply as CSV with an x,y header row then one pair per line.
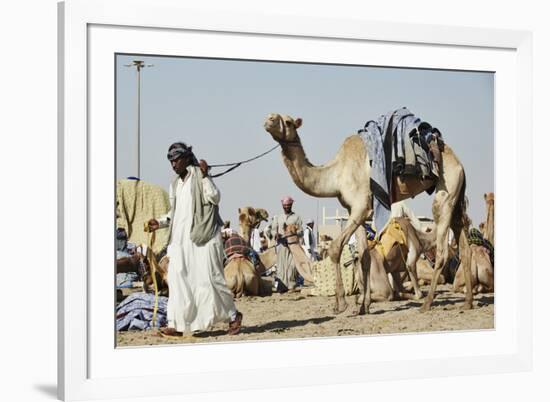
x,y
296,315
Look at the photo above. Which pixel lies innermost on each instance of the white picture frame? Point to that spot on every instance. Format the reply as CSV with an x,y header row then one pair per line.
x,y
81,343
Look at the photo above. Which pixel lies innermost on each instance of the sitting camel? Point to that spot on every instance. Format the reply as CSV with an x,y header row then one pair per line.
x,y
347,177
481,264
161,276
424,272
489,224
482,272
241,275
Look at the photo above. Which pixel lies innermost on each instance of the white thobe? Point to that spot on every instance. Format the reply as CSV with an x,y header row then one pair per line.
x,y
255,240
198,295
310,243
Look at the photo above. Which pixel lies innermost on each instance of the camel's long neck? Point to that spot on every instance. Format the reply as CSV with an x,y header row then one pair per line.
x,y
317,181
246,232
490,224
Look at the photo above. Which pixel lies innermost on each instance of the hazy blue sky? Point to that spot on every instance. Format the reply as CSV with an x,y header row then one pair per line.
x,y
219,107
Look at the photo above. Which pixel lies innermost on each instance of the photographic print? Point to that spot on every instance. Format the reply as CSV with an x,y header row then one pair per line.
x,y
268,200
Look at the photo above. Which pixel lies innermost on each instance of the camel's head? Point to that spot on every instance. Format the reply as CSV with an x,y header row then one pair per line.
x,y
252,217
282,128
290,229
489,198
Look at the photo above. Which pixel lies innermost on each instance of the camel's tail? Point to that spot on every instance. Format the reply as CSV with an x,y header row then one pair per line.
x,y
460,216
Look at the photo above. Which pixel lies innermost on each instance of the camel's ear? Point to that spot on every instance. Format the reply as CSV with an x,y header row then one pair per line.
x,y
298,122
251,215
261,214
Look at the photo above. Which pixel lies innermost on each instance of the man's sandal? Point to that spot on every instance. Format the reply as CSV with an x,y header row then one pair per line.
x,y
235,325
167,332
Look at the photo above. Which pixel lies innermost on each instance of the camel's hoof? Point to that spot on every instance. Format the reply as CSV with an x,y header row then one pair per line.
x,y
425,307
360,311
419,297
340,308
467,306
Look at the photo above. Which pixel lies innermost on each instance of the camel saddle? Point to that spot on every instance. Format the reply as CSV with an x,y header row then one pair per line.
x,y
237,247
398,145
393,234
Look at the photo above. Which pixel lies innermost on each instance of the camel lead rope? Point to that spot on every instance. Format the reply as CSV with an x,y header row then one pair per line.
x,y
153,264
235,165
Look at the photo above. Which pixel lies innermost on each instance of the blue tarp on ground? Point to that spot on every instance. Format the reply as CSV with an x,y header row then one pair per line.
x,y
136,312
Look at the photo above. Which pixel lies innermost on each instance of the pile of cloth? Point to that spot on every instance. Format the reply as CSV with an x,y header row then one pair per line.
x,y
397,144
325,277
136,312
137,202
126,279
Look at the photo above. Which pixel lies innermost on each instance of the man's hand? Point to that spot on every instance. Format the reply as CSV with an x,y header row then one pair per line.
x,y
204,167
153,225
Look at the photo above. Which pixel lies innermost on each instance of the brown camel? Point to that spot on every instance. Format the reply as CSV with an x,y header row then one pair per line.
x,y
347,177
250,218
489,224
399,250
241,276
161,277
425,272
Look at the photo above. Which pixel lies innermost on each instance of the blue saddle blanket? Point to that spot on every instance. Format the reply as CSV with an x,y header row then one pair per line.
x,y
395,145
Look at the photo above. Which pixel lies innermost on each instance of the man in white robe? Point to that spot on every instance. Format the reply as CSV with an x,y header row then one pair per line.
x,y
198,295
310,242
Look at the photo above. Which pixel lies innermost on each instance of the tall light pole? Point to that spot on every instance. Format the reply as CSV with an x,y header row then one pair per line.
x,y
138,64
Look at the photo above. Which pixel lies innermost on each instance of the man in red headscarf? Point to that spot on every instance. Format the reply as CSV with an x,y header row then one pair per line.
x,y
286,268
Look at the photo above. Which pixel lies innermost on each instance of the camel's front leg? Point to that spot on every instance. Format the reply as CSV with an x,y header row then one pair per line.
x,y
335,251
466,256
363,272
442,211
410,266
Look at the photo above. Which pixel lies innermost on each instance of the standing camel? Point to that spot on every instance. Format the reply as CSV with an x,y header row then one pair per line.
x,y
347,177
400,247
